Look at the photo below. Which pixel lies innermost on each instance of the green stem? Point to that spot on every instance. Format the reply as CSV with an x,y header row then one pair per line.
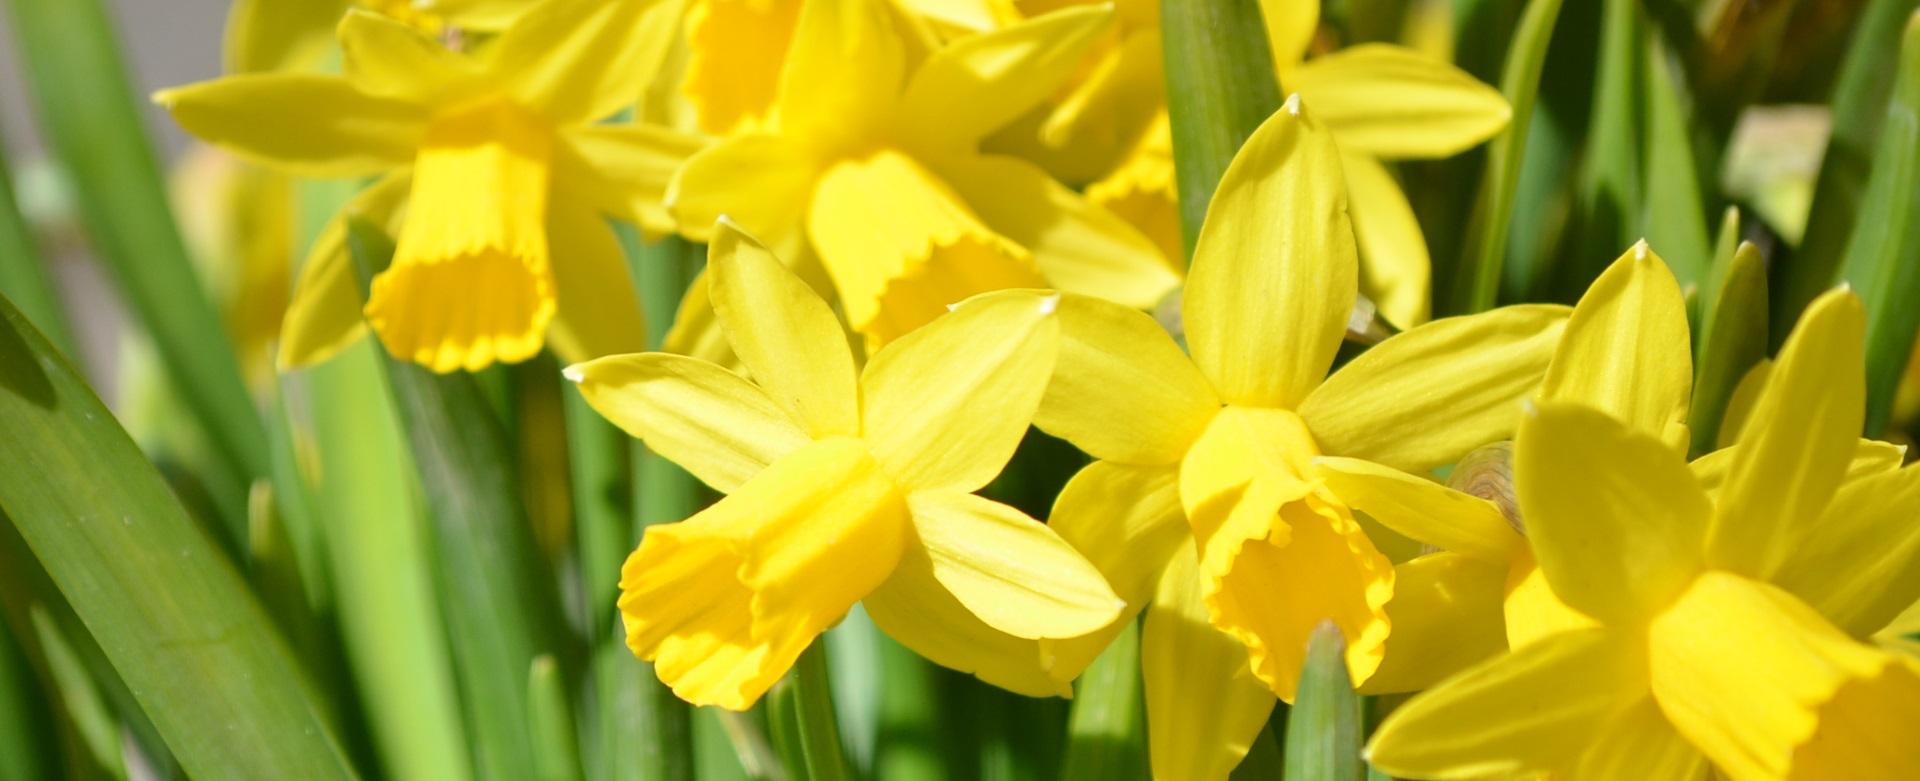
x,y
1106,730
819,728
1220,87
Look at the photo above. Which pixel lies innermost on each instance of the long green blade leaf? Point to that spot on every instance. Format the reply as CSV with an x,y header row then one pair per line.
x,y
84,101
1486,243
1883,255
167,607
1106,731
23,277
1220,87
498,599
1324,729
1674,217
1732,340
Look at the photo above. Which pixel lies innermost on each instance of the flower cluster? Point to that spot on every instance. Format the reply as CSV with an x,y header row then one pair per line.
x,y
934,225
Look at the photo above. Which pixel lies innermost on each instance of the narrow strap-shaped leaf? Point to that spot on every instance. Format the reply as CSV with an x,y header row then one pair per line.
x,y
166,606
1725,243
1486,244
1264,761
1324,729
555,746
27,721
1673,214
1609,186
23,275
496,594
1106,730
907,741
83,99
808,702
1732,340
1860,95
1220,87
1882,261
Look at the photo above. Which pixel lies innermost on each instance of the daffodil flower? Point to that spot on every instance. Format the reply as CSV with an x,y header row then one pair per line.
x,y
1626,352
270,35
1382,103
1727,614
503,176
842,486
1204,501
872,161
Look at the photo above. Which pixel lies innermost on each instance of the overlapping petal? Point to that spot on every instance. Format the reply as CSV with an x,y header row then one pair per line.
x,y
709,420
305,124
843,74
1012,571
1428,396
1204,705
1275,270
945,406
977,84
1445,615
1128,522
1615,517
388,59
596,312
784,334
1393,102
1395,271
1122,390
324,315
1421,508
914,608
1627,349
576,61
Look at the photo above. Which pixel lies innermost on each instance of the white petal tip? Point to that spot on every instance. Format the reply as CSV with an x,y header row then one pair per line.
x,y
1640,250
1528,408
1049,304
1293,104
953,306
573,374
1844,286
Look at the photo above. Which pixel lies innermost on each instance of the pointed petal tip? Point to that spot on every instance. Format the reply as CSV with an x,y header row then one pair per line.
x,y
1293,104
574,374
1049,304
1640,249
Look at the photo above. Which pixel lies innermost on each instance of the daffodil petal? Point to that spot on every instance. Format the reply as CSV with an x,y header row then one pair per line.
x,y
324,316
1275,270
1750,674
266,35
1426,397
1122,390
596,311
1079,246
915,609
1524,714
1533,611
843,73
724,602
784,334
1291,26
1861,567
302,123
1393,102
1127,521
1640,744
577,61
1012,571
1618,522
763,182
1794,451
977,84
1446,616
945,406
901,246
1740,404
1204,706
718,426
1870,457
1396,273
624,170
1140,191
735,49
390,59
1627,350
1421,508
696,329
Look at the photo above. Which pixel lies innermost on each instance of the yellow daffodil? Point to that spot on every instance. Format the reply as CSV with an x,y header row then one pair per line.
x,y
842,486
1382,103
1204,501
503,176
872,162
269,35
1626,352
1726,614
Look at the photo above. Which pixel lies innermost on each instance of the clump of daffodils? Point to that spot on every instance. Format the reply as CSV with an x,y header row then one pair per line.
x,y
892,302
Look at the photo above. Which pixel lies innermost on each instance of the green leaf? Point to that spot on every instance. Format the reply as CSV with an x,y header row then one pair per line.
x,y
1610,180
1860,96
1882,261
87,107
555,745
1732,339
907,741
1106,730
376,542
1220,87
497,596
1673,214
1486,244
23,275
1324,729
27,747
1263,761
166,606
806,729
